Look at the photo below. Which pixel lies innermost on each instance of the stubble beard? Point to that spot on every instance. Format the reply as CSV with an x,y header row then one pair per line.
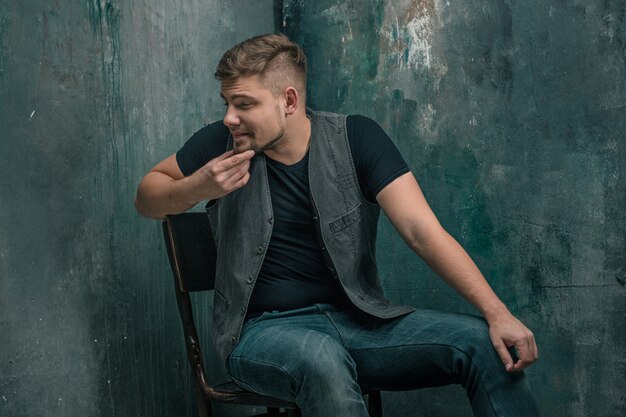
x,y
273,144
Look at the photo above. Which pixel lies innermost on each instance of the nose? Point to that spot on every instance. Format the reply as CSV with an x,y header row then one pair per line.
x,y
231,118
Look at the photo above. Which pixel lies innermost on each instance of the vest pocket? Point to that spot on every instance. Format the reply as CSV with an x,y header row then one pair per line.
x,y
346,220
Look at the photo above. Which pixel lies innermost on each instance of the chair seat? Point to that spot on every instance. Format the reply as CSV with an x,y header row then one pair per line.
x,y
229,392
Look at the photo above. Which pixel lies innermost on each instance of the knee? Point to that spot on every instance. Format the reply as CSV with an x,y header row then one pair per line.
x,y
473,335
472,345
475,351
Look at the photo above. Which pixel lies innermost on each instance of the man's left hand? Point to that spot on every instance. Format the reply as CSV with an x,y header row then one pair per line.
x,y
508,332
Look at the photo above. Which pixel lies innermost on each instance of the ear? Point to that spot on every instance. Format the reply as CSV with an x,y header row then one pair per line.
x,y
292,100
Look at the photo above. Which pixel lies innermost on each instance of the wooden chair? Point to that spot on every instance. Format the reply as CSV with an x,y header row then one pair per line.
x,y
191,253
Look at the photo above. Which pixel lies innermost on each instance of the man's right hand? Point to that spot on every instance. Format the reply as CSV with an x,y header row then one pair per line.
x,y
165,190
223,175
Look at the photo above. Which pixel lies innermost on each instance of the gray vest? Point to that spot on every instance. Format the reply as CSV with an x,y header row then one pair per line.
x,y
347,224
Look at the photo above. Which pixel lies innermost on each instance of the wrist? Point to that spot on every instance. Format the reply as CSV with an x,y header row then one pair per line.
x,y
495,312
190,191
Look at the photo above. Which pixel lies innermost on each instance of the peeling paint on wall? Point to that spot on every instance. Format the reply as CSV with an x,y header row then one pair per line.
x,y
511,117
408,28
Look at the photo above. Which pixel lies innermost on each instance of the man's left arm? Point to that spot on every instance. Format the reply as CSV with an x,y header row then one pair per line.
x,y
407,209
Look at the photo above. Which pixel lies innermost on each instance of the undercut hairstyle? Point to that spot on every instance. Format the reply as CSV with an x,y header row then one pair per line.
x,y
278,61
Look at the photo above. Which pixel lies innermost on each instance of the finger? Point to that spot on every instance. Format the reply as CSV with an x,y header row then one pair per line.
x,y
226,165
534,351
504,354
521,364
234,160
523,350
532,346
532,354
233,176
525,355
241,181
213,165
223,156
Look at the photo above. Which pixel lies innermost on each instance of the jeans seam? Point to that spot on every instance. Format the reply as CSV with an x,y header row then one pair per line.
x,y
343,341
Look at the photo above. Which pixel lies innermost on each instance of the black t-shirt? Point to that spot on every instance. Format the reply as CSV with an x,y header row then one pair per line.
x,y
294,273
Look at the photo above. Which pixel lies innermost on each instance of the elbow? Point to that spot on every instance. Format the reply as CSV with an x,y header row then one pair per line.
x,y
422,241
139,208
145,209
416,244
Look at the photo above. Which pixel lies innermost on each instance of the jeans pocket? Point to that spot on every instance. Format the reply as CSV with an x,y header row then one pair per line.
x,y
256,319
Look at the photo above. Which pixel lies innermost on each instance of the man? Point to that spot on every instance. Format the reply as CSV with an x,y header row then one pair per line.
x,y
293,199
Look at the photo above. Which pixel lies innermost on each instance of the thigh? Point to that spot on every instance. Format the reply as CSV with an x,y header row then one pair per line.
x,y
422,349
274,356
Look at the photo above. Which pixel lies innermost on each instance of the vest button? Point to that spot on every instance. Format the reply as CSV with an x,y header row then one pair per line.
x,y
259,249
250,280
243,310
233,339
270,220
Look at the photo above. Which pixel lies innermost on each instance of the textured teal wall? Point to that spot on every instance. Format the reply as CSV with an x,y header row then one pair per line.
x,y
92,94
512,117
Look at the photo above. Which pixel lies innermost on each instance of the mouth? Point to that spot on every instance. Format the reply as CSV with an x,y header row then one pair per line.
x,y
237,135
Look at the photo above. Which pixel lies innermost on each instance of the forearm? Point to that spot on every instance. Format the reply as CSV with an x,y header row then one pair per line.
x,y
159,195
451,262
408,211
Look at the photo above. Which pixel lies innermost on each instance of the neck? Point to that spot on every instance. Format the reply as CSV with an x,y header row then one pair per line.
x,y
295,142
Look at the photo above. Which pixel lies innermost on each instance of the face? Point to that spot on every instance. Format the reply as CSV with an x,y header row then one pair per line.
x,y
255,118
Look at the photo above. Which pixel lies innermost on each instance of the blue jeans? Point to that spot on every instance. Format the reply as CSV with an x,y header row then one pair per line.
x,y
319,357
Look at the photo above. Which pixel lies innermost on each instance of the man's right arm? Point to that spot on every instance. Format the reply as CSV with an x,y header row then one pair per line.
x,y
165,190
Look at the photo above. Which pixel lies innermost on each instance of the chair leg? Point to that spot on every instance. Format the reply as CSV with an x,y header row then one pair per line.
x,y
375,404
204,404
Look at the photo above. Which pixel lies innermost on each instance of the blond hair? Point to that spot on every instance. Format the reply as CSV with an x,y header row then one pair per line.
x,y
273,57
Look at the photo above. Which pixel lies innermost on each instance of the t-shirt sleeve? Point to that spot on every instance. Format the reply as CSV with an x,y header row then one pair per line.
x,y
376,158
206,144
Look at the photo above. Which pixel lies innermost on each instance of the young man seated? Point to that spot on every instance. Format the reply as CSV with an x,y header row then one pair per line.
x,y
294,197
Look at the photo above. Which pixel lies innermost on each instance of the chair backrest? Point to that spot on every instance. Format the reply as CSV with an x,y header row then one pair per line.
x,y
191,251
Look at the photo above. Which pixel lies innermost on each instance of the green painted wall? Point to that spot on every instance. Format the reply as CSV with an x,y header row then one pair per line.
x,y
92,94
512,117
